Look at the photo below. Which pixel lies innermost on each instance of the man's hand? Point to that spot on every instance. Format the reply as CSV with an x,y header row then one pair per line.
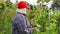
x,y
33,28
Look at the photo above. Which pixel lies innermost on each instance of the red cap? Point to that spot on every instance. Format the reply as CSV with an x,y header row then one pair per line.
x,y
22,4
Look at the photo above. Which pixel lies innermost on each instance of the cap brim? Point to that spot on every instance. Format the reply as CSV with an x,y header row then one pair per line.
x,y
28,7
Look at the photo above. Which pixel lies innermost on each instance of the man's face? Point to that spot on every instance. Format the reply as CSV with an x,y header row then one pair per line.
x,y
24,10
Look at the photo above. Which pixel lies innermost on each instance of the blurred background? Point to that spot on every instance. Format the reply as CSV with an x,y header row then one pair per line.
x,y
45,13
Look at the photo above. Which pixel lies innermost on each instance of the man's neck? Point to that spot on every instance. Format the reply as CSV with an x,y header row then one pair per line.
x,y
21,13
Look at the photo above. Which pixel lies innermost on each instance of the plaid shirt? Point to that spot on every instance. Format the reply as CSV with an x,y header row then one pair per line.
x,y
21,25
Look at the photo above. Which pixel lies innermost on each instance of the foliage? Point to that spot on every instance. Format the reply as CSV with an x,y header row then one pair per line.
x,y
6,17
2,7
47,18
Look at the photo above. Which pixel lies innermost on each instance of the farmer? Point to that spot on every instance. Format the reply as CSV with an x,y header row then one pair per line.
x,y
20,23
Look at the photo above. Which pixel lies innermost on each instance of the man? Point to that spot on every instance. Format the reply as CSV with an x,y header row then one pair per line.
x,y
20,23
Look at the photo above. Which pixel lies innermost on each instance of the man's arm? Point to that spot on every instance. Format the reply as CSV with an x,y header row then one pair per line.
x,y
20,24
